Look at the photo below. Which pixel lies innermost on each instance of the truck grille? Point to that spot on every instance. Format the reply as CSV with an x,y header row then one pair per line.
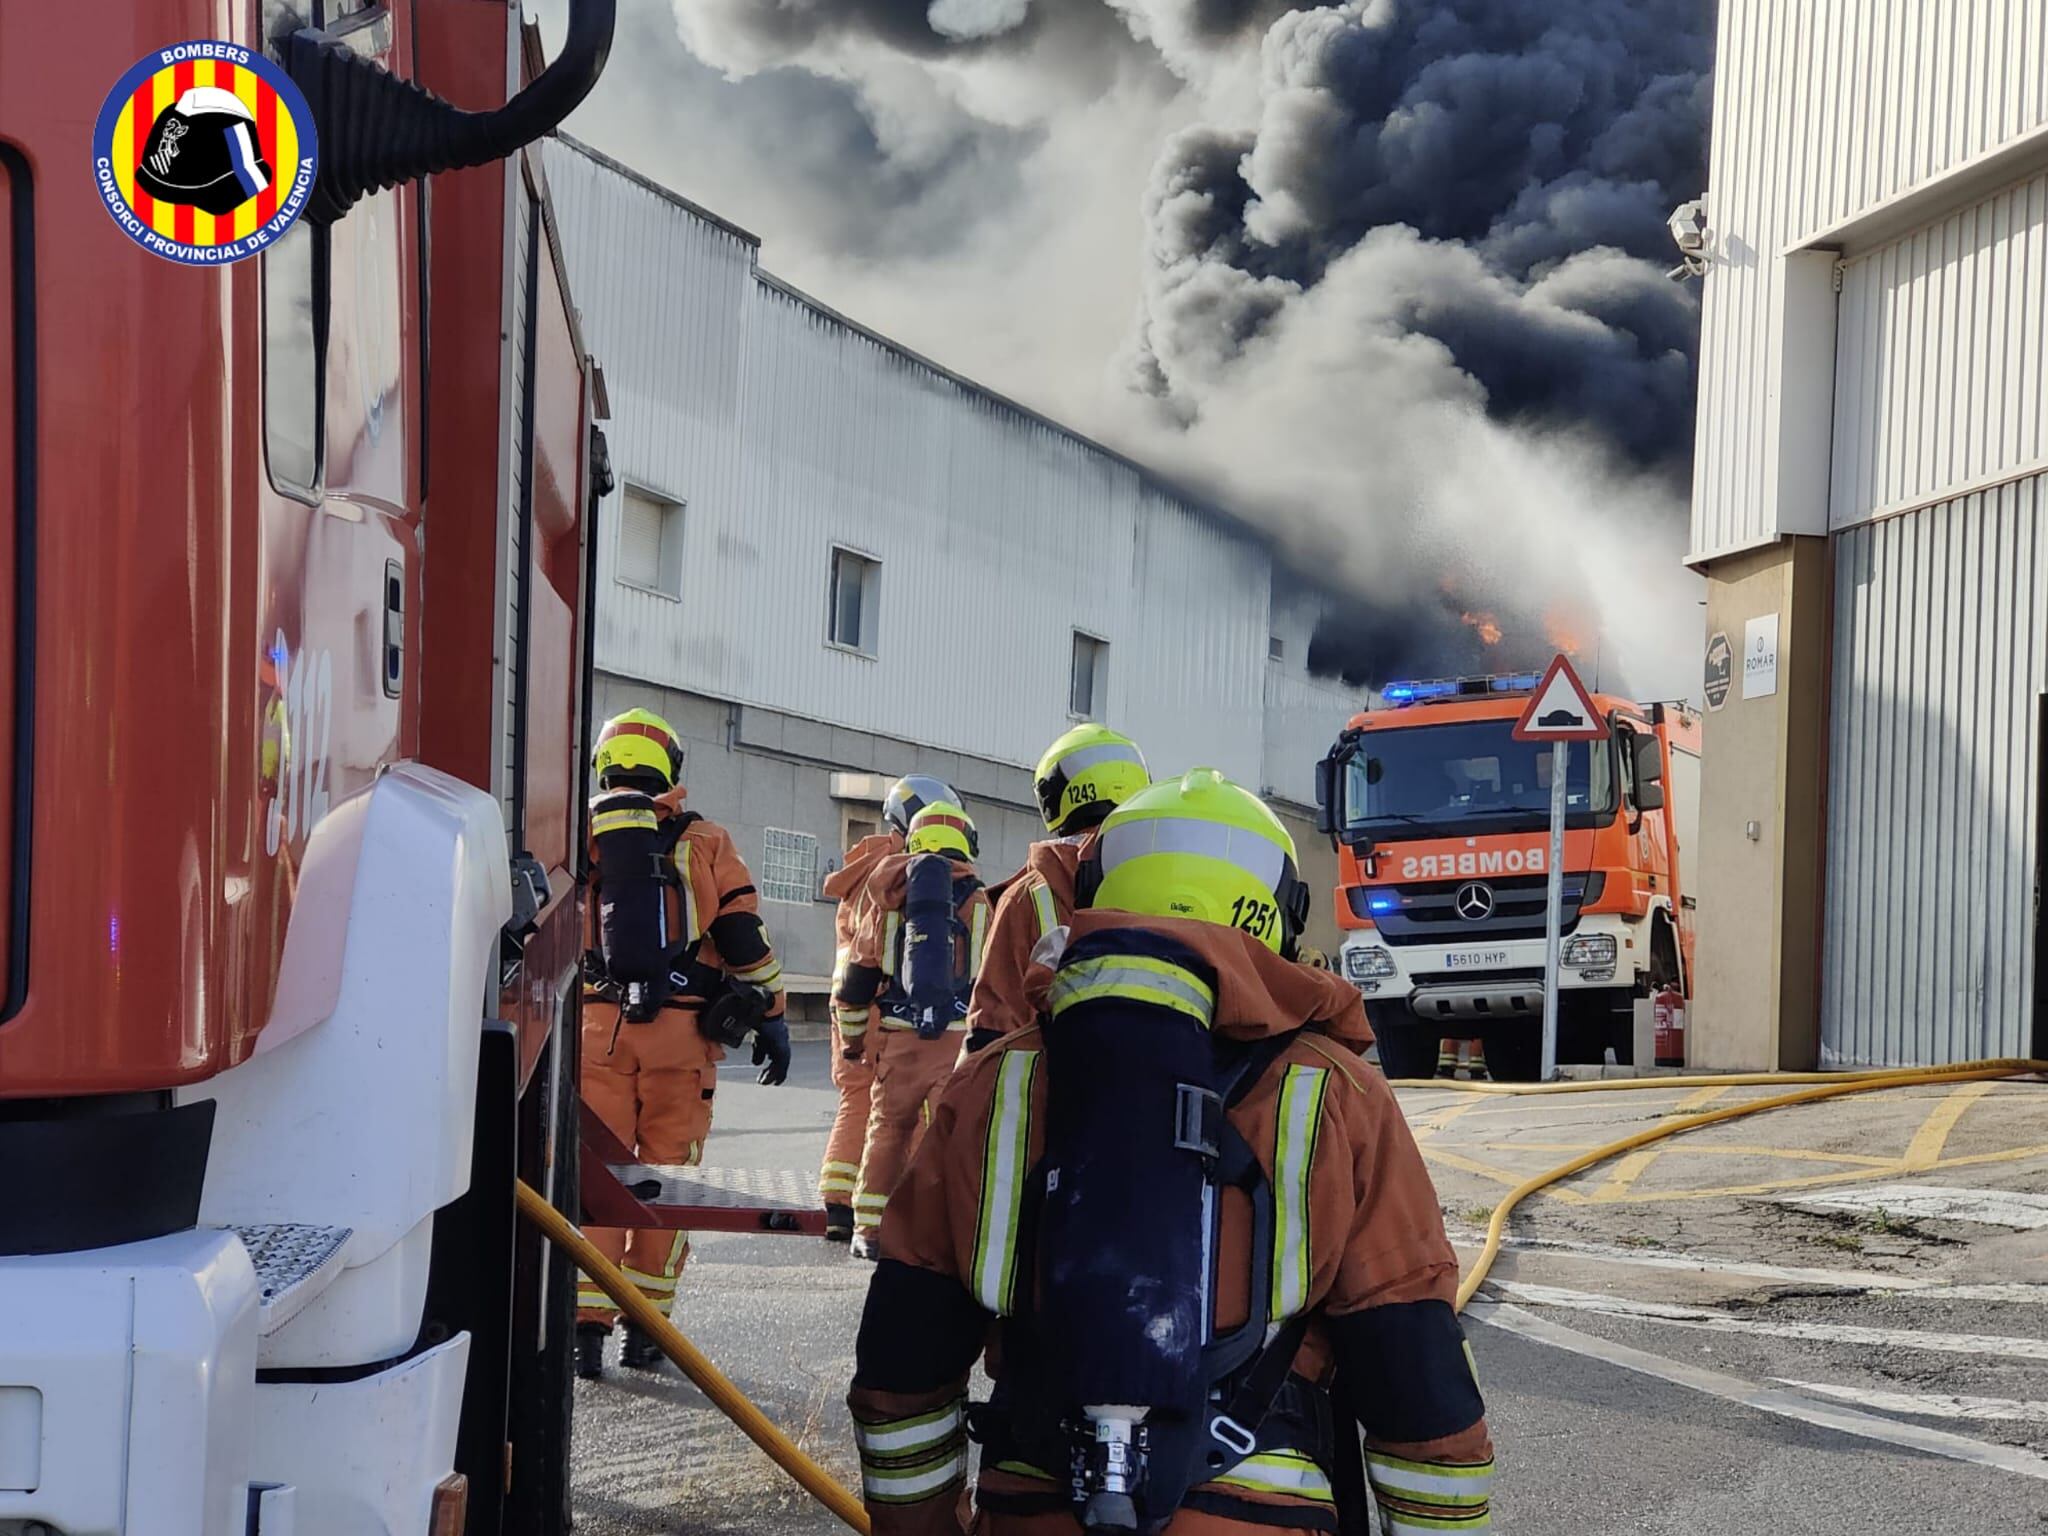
x,y
1428,913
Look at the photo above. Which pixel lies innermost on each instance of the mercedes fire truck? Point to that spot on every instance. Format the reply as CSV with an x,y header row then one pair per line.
x,y
1441,820
295,570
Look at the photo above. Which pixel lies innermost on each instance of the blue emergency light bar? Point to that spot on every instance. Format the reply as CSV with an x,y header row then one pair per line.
x,y
1414,692
1381,903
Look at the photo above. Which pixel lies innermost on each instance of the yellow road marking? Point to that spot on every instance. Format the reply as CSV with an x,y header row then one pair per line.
x,y
1698,1100
1625,1174
1889,1170
1495,1175
1790,1154
1924,1151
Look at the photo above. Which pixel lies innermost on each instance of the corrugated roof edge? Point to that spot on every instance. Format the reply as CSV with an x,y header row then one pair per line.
x,y
649,184
1148,475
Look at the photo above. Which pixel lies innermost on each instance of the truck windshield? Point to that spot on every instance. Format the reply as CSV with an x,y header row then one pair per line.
x,y
1444,776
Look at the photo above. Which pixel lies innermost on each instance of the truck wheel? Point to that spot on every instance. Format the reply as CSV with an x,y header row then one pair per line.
x,y
1593,1022
1514,1052
1407,1047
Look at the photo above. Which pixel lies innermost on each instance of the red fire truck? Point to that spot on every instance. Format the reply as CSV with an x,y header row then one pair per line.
x,y
294,591
1441,819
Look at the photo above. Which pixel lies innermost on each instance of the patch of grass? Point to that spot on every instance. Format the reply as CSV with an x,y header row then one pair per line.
x,y
1477,1215
1639,1240
1882,1221
1848,1242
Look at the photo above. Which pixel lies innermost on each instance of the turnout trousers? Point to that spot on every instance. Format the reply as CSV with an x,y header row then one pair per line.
x,y
652,1085
909,1073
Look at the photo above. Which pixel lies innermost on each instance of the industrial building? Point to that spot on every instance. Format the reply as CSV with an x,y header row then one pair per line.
x,y
829,562
1871,514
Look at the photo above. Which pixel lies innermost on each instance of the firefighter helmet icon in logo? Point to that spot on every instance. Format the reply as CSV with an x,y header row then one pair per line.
x,y
205,153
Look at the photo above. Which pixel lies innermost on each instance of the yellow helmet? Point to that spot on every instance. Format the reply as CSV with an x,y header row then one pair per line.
x,y
639,742
1200,846
942,827
1085,775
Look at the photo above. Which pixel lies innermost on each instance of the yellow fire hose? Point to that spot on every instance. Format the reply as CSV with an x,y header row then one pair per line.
x,y
728,1399
819,1483
1836,1086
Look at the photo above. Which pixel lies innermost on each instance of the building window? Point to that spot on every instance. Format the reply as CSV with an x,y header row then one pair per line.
x,y
1276,648
789,865
855,598
857,822
1088,686
651,542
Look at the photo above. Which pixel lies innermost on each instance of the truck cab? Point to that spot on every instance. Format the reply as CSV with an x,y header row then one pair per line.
x,y
1441,820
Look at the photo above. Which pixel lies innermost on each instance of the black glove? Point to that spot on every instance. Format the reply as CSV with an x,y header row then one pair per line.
x,y
771,1045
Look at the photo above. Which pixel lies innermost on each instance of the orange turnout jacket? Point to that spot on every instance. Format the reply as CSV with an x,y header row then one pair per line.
x,y
1359,1257
1039,899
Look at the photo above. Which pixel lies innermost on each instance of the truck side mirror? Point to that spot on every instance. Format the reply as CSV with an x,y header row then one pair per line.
x,y
1326,796
1649,771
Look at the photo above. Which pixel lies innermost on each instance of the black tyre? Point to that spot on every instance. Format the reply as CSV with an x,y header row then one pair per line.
x,y
1408,1047
1514,1052
1592,1023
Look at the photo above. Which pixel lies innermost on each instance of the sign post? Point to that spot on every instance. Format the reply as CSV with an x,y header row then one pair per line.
x,y
1560,712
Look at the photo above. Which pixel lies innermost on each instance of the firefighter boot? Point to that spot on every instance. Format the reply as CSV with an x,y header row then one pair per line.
x,y
838,1223
640,1352
590,1339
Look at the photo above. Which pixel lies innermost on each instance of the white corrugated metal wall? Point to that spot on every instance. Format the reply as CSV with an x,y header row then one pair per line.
x,y
1942,338
1940,661
1822,109
786,430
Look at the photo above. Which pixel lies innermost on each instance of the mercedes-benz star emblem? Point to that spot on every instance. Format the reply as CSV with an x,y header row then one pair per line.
x,y
1474,901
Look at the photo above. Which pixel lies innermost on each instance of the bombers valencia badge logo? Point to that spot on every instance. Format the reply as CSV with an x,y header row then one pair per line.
x,y
205,153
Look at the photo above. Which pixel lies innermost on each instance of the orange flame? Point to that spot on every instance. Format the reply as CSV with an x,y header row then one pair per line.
x,y
1563,631
1488,628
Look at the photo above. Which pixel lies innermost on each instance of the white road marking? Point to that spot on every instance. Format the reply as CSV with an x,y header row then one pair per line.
x,y
1790,1405
1926,1286
1988,1207
1825,1333
1928,1405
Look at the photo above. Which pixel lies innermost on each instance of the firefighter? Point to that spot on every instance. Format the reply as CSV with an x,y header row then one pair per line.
x,y
1082,777
916,949
680,969
1192,1097
854,1076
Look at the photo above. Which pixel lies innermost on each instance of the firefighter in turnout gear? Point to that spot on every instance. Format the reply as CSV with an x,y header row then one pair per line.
x,y
1082,777
679,968
854,1077
1190,1227
916,950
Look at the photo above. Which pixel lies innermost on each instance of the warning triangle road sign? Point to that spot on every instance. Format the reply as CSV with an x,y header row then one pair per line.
x,y
1560,709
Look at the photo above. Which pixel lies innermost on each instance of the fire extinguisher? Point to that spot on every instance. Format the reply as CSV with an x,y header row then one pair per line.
x,y
1668,1013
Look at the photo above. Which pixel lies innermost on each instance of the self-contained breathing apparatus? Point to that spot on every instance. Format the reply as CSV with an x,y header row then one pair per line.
x,y
1112,1366
932,985
640,961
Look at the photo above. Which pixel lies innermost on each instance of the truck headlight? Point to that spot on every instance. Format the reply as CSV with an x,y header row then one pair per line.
x,y
1589,951
1368,963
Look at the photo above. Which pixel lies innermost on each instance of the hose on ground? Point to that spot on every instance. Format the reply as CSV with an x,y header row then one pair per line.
x,y
689,1359
1839,1087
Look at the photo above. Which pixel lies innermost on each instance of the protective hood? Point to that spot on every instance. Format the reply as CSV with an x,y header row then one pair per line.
x,y
1257,993
861,861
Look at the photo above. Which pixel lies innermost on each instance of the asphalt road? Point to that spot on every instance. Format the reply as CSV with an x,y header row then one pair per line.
x,y
1586,1448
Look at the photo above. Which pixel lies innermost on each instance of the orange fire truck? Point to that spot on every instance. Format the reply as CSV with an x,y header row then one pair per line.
x,y
1441,820
295,570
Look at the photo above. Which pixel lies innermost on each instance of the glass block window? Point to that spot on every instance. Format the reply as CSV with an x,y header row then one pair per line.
x,y
789,865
